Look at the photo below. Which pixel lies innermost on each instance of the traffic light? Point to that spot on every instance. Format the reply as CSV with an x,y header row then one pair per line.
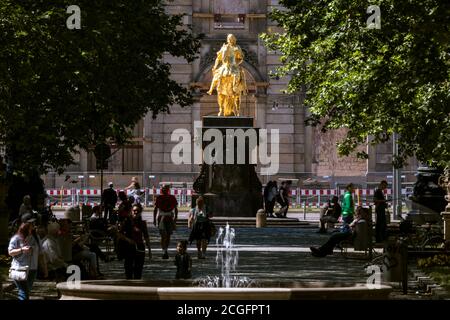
x,y
102,153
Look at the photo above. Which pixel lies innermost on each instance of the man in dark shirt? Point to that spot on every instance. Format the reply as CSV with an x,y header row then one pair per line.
x,y
283,198
330,214
109,200
380,211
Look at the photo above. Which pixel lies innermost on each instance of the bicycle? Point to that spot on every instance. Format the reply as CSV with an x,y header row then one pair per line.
x,y
426,237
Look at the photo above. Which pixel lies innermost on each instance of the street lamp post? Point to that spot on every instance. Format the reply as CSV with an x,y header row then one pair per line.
x,y
150,177
396,181
81,179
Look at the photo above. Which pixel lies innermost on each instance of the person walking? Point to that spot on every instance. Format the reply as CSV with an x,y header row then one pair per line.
x,y
24,250
109,201
380,210
165,217
200,224
133,237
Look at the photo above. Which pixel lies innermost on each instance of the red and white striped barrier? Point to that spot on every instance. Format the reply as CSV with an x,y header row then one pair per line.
x,y
89,192
59,192
304,197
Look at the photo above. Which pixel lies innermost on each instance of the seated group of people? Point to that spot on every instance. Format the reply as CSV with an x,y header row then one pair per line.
x,y
62,248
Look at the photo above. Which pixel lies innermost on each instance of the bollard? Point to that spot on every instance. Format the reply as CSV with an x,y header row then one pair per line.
x,y
261,220
395,263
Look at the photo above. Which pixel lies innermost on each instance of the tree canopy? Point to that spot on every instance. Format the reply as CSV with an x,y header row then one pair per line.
x,y
375,82
63,89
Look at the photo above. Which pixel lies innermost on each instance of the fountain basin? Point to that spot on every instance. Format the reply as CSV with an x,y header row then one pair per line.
x,y
185,290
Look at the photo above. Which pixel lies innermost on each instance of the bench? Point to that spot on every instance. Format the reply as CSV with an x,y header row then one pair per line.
x,y
362,240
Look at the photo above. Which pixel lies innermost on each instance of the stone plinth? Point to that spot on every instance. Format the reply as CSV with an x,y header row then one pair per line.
x,y
230,122
230,188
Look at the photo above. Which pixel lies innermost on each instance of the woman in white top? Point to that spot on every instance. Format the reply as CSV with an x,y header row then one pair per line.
x,y
22,248
200,224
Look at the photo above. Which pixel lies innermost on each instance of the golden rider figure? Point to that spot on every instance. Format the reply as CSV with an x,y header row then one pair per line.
x,y
229,78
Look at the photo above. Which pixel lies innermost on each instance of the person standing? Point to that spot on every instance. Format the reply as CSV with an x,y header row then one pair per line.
x,y
165,217
109,201
21,250
133,236
380,210
348,206
183,261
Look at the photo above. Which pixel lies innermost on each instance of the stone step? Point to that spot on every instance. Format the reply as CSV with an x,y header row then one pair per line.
x,y
251,222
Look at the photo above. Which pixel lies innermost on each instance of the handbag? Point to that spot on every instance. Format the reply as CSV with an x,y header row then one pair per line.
x,y
19,273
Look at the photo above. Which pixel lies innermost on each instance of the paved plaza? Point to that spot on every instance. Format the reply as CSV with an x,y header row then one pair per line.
x,y
270,253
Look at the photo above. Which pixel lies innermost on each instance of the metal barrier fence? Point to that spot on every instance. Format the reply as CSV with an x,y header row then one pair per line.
x,y
300,198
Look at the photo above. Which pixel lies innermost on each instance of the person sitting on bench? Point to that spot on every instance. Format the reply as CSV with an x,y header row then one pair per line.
x,y
330,214
338,237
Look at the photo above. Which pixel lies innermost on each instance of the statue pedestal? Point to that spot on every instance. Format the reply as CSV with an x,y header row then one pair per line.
x,y
230,189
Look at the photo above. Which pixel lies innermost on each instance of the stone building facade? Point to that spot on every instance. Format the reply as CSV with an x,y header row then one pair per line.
x,y
304,152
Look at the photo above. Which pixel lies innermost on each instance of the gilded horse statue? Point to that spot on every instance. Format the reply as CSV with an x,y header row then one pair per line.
x,y
229,78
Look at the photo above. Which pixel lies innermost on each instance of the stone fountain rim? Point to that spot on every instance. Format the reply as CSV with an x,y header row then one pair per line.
x,y
106,289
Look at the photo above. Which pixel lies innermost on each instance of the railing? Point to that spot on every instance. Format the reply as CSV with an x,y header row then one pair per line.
x,y
300,197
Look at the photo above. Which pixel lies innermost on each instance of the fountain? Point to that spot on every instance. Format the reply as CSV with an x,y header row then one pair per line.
x,y
224,287
227,258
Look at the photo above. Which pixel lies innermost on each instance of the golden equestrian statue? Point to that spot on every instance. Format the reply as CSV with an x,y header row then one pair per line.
x,y
229,78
